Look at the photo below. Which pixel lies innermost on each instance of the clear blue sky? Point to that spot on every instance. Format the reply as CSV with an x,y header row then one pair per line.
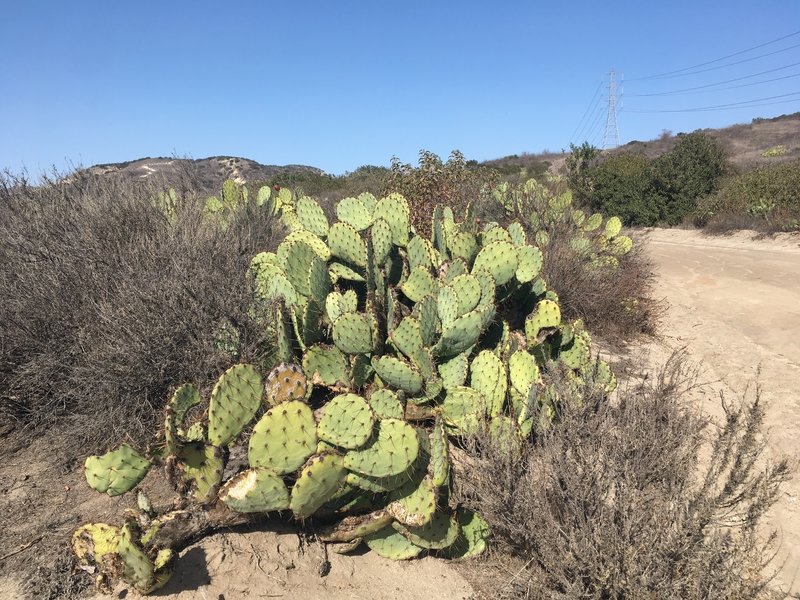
x,y
339,84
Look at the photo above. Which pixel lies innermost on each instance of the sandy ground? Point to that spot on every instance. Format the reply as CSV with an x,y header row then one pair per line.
x,y
734,303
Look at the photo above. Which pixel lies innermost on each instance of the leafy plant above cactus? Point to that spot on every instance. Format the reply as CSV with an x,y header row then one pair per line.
x,y
387,348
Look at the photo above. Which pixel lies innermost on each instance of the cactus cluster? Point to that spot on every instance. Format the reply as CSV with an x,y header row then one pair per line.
x,y
595,241
388,348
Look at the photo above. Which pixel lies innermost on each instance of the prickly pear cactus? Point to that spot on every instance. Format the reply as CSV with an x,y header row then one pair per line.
x,y
388,348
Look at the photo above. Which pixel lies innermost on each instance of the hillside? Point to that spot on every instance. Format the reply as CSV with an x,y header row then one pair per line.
x,y
206,174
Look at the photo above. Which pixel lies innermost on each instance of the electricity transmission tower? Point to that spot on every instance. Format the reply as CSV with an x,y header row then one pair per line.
x,y
611,134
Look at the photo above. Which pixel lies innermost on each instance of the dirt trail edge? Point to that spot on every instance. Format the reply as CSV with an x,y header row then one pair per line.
x,y
734,303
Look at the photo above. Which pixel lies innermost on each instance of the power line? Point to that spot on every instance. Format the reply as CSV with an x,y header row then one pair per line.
x,y
700,87
585,134
588,108
743,104
611,132
676,72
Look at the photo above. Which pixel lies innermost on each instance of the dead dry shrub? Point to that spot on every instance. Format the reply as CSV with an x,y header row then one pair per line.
x,y
615,303
640,497
107,302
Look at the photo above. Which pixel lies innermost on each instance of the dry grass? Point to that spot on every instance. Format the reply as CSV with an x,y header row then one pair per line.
x,y
106,302
636,498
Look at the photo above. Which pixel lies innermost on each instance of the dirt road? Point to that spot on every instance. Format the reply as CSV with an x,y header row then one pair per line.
x,y
734,303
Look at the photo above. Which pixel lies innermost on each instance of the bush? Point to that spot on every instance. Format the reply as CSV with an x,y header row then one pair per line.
x,y
453,183
614,501
106,301
766,198
622,185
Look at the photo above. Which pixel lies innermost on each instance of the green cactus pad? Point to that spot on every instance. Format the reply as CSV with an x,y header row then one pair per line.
x,y
407,337
234,401
441,532
201,465
334,306
542,238
499,259
284,383
381,485
530,263
504,432
184,398
116,472
472,539
420,253
468,291
92,542
346,244
326,365
391,544
593,223
355,213
392,450
255,490
339,271
439,465
278,287
517,233
613,227
298,262
453,269
346,421
545,317
385,404
414,503
447,304
488,376
621,245
495,234
461,334
307,237
430,326
488,288
454,371
523,372
352,333
578,217
284,438
420,283
394,210
398,373
463,409
312,216
576,354
137,568
381,234
319,480
464,246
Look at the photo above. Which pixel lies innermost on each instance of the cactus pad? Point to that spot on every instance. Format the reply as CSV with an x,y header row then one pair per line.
x,y
284,438
346,421
439,465
613,227
312,216
284,383
499,259
460,334
420,283
488,376
255,490
392,450
429,324
352,333
454,371
385,404
394,210
391,544
545,318
234,401
471,541
530,263
116,472
517,234
381,234
468,292
496,234
326,365
346,244
355,213
441,532
463,409
414,503
398,373
137,568
184,398
464,246
407,337
319,480
307,237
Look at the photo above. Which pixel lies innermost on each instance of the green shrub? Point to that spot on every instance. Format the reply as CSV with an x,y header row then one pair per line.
x,y
622,185
766,198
